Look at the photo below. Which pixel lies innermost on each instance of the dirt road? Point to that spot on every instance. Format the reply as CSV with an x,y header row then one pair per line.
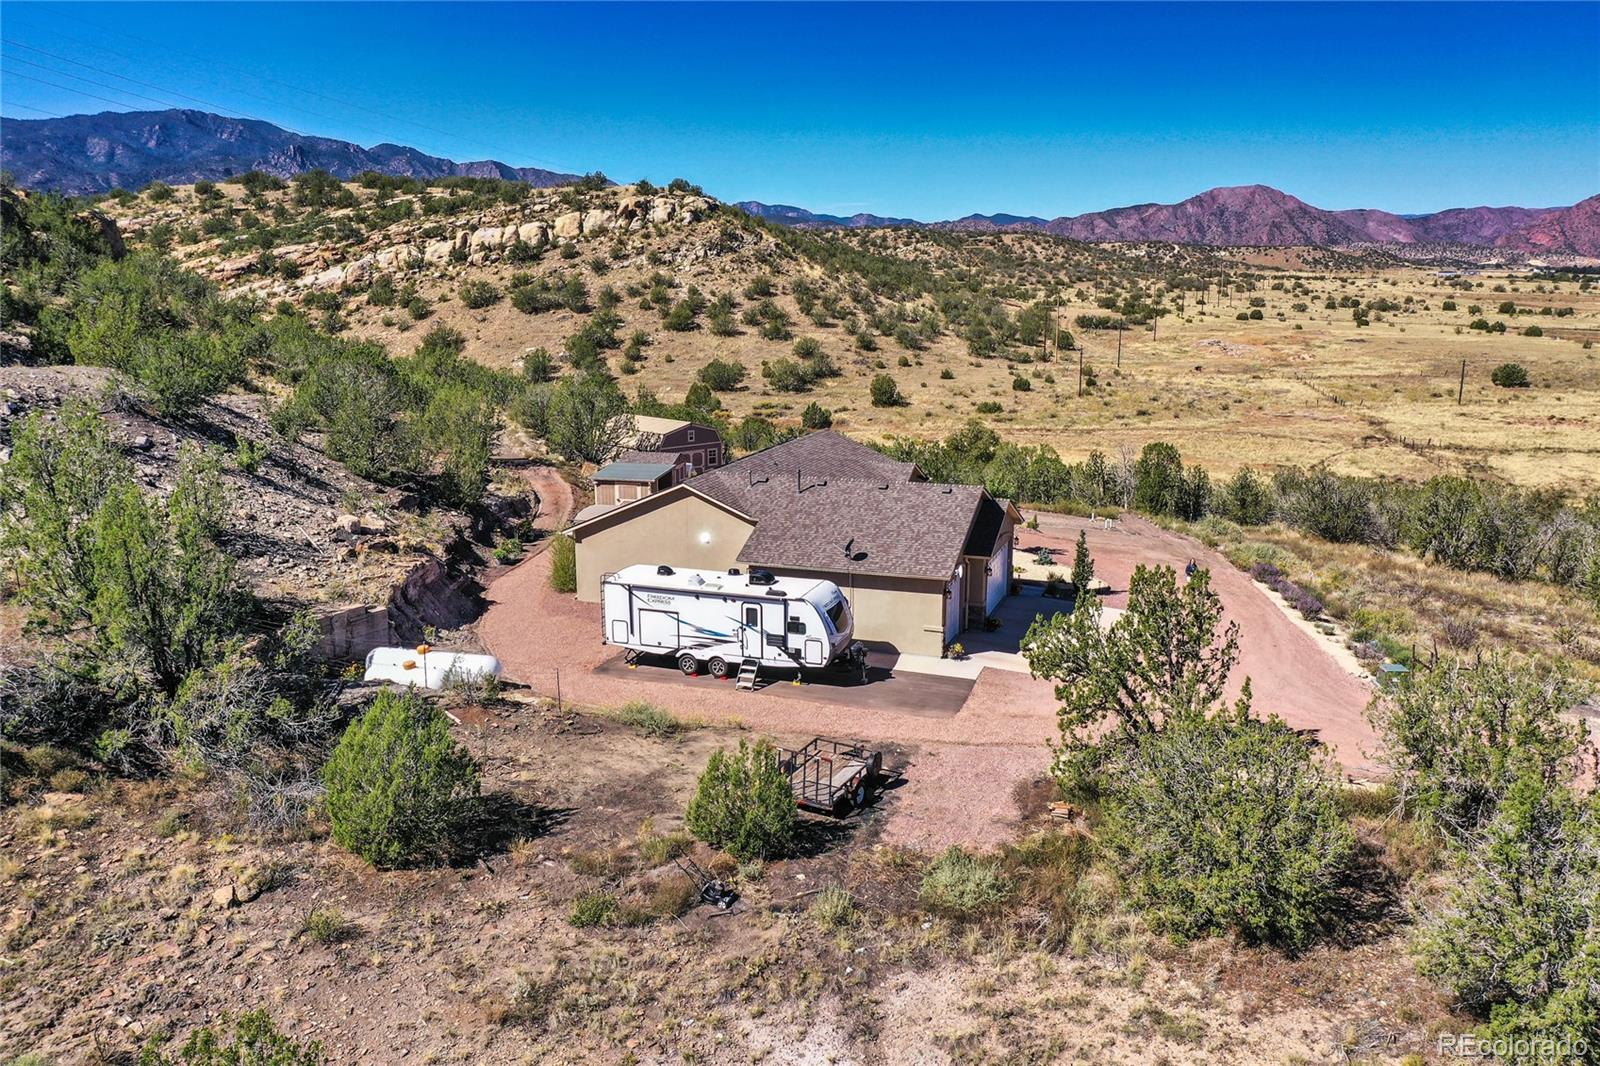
x,y
555,496
1291,674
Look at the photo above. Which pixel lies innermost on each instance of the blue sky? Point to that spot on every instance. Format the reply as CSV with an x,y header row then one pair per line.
x,y
925,111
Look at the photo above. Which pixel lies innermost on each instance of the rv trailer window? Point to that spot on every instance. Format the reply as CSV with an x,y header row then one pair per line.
x,y
797,627
836,614
752,616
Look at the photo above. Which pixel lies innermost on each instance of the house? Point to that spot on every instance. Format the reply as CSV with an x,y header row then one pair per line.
x,y
919,560
661,453
694,443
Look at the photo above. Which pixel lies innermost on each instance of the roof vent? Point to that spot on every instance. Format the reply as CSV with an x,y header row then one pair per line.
x,y
776,592
664,570
733,571
762,577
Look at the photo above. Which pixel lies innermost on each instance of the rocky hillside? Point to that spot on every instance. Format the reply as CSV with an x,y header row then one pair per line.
x,y
305,530
127,149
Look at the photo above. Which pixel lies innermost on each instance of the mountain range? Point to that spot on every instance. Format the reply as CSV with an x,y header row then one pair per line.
x,y
83,154
1259,215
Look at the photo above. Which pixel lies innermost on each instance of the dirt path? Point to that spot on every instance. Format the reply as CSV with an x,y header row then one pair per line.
x,y
1291,673
554,493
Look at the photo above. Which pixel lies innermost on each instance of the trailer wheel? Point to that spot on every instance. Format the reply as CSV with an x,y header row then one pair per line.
x,y
858,798
688,665
717,667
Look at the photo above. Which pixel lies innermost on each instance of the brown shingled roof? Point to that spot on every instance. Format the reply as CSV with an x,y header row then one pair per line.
x,y
635,455
909,528
813,495
824,453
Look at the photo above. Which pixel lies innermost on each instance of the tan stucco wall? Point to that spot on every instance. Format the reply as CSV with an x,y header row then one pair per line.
x,y
904,612
668,533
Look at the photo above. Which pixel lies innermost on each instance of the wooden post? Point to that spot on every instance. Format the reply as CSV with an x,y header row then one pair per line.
x,y
1119,345
1080,370
1461,389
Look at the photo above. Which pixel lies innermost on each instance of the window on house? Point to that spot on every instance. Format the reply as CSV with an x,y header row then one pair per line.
x,y
691,436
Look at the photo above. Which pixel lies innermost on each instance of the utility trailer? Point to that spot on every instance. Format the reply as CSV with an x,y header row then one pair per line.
x,y
730,622
832,776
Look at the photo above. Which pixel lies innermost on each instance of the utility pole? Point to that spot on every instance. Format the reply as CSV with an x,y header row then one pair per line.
x,y
1080,370
1119,345
1461,389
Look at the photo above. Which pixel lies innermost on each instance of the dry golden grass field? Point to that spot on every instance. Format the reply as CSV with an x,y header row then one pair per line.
x,y
1302,385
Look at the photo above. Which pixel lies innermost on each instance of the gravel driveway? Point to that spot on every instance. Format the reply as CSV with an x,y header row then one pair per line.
x,y
962,768
1291,674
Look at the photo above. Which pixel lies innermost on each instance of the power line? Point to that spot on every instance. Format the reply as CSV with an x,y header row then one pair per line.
x,y
91,81
231,112
68,88
37,110
109,73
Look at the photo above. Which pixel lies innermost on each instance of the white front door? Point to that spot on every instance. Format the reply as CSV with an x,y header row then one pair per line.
x,y
750,632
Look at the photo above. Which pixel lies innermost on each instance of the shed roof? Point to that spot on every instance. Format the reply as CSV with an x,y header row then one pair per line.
x,y
635,455
632,471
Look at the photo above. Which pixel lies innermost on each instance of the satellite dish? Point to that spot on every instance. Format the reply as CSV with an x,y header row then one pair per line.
x,y
848,545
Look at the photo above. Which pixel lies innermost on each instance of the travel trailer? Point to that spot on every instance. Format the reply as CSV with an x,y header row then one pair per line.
x,y
426,668
726,622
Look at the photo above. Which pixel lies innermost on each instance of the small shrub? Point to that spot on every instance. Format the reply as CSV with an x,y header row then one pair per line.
x,y
743,803
1262,855
1515,940
479,294
563,564
885,393
255,1039
649,719
960,884
657,848
398,783
671,897
834,908
593,909
68,781
1510,376
816,416
326,925
721,375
